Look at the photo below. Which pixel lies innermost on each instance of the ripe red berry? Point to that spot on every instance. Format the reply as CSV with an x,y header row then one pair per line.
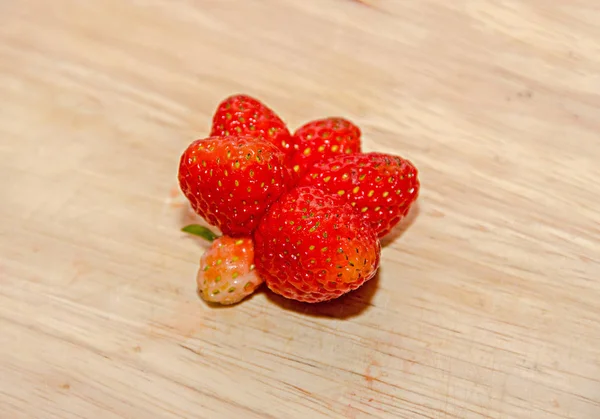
x,y
312,247
380,187
232,181
323,138
245,115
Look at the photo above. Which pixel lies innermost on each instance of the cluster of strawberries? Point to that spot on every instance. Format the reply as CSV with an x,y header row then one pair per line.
x,y
303,212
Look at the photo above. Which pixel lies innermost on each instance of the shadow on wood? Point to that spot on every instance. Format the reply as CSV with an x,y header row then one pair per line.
x,y
347,306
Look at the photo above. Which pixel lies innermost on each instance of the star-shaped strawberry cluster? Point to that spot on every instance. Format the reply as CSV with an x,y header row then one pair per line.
x,y
302,212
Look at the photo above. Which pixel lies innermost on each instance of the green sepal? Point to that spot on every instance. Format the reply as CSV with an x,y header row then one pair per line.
x,y
201,231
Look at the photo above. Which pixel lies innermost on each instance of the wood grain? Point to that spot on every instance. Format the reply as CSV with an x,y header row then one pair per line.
x,y
487,304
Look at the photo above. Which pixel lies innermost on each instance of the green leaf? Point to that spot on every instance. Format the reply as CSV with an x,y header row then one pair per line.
x,y
201,231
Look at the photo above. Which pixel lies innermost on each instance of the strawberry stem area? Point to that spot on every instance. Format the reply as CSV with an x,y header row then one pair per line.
x,y
198,230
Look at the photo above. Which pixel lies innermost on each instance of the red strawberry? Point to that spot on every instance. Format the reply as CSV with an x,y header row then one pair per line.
x,y
245,115
380,187
318,140
311,246
232,181
226,274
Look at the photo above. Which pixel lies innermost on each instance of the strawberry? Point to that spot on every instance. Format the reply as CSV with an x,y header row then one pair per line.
x,y
245,115
311,246
227,274
323,138
379,186
232,181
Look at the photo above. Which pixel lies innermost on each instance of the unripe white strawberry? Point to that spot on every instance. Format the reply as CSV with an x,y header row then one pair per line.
x,y
226,274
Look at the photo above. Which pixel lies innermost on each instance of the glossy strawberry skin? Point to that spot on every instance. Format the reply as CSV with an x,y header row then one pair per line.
x,y
312,247
321,139
245,115
380,187
232,181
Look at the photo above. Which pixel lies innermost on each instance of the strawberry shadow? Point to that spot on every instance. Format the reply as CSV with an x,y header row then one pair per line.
x,y
402,226
347,306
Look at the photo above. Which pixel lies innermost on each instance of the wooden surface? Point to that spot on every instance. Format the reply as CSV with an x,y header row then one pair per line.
x,y
486,306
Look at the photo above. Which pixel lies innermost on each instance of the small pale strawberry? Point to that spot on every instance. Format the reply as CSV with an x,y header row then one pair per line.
x,y
245,115
380,187
312,247
226,274
323,138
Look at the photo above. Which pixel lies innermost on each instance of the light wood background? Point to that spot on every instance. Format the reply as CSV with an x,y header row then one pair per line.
x,y
488,300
